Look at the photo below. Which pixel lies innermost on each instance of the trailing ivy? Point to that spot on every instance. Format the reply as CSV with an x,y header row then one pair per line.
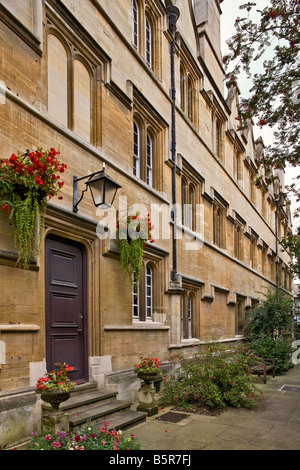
x,y
26,183
28,216
131,259
133,234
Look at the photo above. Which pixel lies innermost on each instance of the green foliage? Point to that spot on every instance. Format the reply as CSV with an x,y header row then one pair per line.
x,y
279,348
86,439
148,364
292,243
272,317
269,327
56,380
26,181
131,258
273,40
215,376
134,231
24,215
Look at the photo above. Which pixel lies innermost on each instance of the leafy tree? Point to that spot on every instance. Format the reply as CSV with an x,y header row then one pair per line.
x,y
272,316
275,94
292,244
269,327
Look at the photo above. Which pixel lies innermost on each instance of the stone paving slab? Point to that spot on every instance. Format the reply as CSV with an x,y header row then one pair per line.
x,y
274,426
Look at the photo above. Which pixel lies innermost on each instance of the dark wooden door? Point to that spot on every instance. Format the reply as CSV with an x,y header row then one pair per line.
x,y
66,322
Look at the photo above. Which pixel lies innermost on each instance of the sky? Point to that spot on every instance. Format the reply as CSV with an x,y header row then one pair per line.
x,y
230,11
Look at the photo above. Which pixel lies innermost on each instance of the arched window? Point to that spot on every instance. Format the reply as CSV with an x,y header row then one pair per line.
x,y
72,86
148,42
182,88
149,160
189,98
149,292
135,24
183,201
238,242
57,80
143,294
218,139
217,225
181,314
135,300
136,149
82,101
191,207
186,315
190,314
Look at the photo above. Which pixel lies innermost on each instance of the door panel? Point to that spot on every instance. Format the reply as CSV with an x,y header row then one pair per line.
x,y
66,328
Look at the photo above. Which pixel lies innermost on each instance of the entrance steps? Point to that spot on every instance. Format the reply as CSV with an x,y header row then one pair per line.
x,y
88,404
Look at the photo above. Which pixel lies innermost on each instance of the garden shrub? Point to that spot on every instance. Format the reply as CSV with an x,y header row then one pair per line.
x,y
269,327
214,376
271,318
279,348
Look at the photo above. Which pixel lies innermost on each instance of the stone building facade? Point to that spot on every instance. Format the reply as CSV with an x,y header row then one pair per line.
x,y
92,79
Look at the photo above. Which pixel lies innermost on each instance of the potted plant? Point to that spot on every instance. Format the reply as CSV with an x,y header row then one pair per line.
x,y
134,231
26,183
148,369
55,387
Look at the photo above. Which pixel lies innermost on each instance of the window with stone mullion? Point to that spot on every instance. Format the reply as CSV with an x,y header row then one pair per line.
x,y
135,24
149,161
136,150
148,42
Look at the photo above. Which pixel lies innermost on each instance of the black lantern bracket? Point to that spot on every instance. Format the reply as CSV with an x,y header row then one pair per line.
x,y
102,187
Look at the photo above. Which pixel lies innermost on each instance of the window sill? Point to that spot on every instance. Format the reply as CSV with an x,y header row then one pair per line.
x,y
186,342
137,325
19,328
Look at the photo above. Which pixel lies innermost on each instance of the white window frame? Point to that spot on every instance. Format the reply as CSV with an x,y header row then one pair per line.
x,y
136,149
148,41
135,300
149,158
149,297
181,315
191,206
190,310
135,24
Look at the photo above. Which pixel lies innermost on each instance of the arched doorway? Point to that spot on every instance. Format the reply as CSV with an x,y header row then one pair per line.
x,y
66,306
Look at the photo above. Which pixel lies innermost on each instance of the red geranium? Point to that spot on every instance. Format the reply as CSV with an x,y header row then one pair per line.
x,y
33,172
56,380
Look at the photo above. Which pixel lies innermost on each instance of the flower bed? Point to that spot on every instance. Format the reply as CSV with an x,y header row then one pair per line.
x,y
87,439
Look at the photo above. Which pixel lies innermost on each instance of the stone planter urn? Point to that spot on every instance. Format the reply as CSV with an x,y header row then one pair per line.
x,y
55,398
56,419
147,402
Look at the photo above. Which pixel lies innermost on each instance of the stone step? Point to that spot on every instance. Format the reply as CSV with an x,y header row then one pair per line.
x,y
82,401
84,388
88,404
97,414
127,420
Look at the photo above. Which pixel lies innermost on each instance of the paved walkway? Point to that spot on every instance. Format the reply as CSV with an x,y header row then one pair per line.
x,y
274,427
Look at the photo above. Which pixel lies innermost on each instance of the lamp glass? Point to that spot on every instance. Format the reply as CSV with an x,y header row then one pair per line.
x,y
103,190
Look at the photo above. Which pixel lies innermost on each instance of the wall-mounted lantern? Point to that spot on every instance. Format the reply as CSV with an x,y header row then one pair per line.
x,y
102,187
